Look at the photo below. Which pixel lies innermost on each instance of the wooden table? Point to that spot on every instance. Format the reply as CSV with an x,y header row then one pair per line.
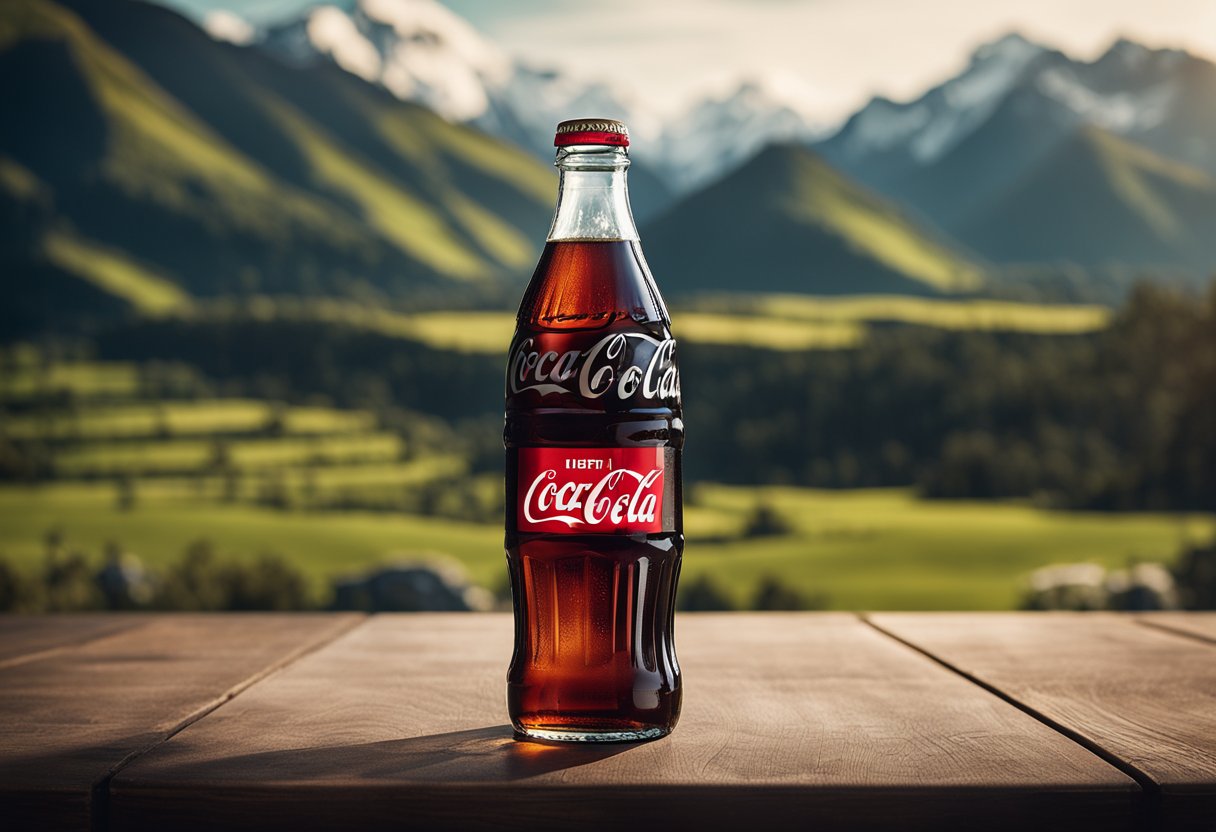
x,y
791,721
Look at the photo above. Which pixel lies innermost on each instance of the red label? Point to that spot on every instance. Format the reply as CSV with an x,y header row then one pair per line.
x,y
596,490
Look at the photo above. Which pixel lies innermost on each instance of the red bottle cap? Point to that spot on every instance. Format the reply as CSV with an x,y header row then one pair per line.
x,y
592,131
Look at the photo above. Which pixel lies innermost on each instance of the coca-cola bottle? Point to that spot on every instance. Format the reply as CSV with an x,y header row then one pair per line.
x,y
594,526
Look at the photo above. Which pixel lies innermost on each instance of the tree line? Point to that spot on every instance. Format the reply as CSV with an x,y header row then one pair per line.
x,y
1120,419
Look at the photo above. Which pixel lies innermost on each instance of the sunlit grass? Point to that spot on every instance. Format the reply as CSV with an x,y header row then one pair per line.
x,y
503,242
259,453
152,457
429,143
305,483
161,151
502,162
399,216
320,420
18,181
181,455
159,530
974,315
767,333
870,549
116,274
490,332
885,549
184,418
1129,166
480,332
822,196
78,378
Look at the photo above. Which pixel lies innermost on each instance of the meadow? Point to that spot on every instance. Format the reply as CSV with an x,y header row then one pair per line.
x,y
765,321
781,322
863,549
144,457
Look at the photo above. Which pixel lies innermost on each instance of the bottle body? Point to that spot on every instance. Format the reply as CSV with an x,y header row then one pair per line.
x,y
594,528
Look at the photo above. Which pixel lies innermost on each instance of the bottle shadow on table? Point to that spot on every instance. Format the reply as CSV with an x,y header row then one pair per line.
x,y
489,755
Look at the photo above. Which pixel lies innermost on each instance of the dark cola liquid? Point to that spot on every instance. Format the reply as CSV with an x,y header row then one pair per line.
x,y
593,553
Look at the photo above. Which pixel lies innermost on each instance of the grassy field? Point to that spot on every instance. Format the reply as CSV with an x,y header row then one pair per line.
x,y
113,272
778,322
184,455
885,549
976,315
874,549
81,378
490,332
205,417
769,333
980,314
369,481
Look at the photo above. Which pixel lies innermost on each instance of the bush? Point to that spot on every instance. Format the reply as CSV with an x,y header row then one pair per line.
x,y
1195,574
702,594
14,588
766,521
194,583
201,582
68,584
269,583
772,595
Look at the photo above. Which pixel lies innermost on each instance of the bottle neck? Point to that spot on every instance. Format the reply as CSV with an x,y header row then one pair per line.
x,y
592,196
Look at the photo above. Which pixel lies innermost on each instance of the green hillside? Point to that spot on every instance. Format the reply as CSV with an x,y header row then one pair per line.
x,y
788,222
986,162
144,160
1098,200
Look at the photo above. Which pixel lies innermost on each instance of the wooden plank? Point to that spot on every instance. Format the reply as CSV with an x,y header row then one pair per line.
x,y
69,720
28,637
1200,625
1144,696
791,721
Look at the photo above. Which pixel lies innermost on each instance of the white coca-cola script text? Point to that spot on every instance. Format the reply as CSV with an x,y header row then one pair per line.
x,y
620,498
610,366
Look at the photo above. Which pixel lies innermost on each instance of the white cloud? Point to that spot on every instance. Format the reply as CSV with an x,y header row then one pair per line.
x,y
224,25
842,51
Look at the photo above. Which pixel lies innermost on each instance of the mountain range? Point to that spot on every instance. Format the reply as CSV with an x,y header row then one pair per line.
x,y
805,225
964,156
421,51
1029,155
141,159
145,164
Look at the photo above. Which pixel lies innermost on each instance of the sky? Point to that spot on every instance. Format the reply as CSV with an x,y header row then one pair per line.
x,y
831,55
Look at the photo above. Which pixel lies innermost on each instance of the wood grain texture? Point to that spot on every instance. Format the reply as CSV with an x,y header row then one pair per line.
x,y
1200,625
27,637
1145,696
68,720
790,721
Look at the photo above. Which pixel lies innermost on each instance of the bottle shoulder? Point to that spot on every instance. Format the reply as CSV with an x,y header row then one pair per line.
x,y
591,284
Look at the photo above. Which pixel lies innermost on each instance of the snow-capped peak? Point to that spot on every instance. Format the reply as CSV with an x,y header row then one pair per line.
x,y
332,32
225,26
417,49
1012,49
1130,54
421,51
1131,90
929,126
718,133
425,26
1128,57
